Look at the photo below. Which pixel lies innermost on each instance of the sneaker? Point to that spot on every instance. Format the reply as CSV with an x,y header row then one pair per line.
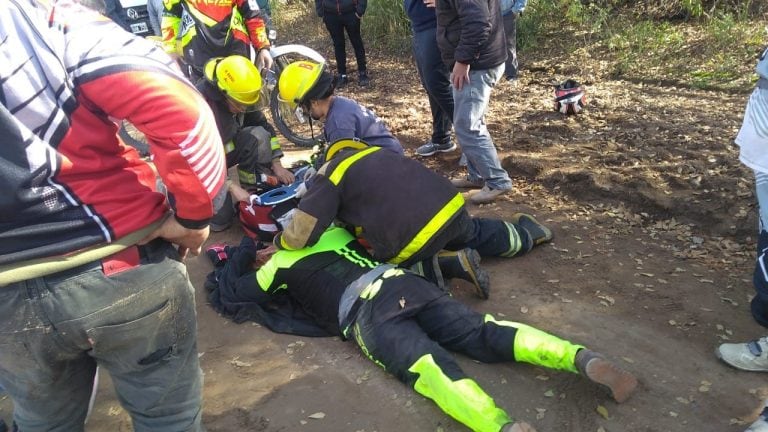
x,y
517,427
217,253
750,356
341,81
362,79
466,183
431,148
601,371
465,264
761,424
538,232
484,196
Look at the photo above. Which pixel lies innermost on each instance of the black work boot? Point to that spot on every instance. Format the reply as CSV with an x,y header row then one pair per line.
x,y
362,79
465,264
602,371
537,233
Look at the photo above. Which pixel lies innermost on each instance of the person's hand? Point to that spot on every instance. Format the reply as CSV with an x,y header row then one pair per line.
x,y
239,193
460,75
188,240
429,3
263,255
264,59
521,426
282,174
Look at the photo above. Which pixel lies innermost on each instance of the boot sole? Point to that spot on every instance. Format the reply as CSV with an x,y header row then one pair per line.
x,y
548,236
620,382
480,278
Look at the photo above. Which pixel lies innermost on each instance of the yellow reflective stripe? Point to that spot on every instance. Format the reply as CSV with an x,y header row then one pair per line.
x,y
229,146
341,168
514,241
429,230
462,399
540,348
275,143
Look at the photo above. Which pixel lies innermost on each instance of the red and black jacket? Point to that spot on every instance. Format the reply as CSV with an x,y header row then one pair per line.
x,y
68,75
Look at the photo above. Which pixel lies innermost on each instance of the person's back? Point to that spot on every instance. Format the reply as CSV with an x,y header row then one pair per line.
x,y
356,187
88,274
347,119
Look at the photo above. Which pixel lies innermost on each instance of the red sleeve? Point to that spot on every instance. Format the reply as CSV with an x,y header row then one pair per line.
x,y
254,21
180,129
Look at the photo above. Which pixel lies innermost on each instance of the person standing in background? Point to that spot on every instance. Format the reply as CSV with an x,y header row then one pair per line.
x,y
434,76
510,12
471,38
338,16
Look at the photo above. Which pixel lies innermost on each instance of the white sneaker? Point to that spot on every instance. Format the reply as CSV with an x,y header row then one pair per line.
x,y
750,356
759,426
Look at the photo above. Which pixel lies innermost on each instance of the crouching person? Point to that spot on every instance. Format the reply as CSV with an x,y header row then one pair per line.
x,y
401,321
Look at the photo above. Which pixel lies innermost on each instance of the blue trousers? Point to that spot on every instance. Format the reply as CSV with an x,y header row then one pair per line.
x,y
759,303
139,325
434,78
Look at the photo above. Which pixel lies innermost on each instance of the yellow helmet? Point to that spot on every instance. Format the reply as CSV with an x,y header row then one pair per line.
x,y
236,77
296,81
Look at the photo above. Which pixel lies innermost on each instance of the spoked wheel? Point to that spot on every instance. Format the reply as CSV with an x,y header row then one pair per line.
x,y
131,136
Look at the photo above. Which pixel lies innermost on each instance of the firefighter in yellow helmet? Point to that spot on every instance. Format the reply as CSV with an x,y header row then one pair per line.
x,y
310,85
233,88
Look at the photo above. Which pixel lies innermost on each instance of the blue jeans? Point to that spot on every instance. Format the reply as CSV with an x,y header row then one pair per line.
x,y
434,75
759,303
510,31
470,105
139,325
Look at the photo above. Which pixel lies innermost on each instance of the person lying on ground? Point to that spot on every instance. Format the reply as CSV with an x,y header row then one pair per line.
x,y
401,321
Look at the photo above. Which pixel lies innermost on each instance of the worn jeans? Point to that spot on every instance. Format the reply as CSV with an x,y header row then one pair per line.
x,y
139,325
470,104
759,304
434,75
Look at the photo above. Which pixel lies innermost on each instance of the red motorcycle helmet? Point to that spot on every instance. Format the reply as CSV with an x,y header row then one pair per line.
x,y
570,97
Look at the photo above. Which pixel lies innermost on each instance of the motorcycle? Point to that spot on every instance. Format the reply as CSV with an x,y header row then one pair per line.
x,y
292,124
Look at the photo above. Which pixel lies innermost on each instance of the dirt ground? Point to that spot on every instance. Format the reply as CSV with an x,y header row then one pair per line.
x,y
654,222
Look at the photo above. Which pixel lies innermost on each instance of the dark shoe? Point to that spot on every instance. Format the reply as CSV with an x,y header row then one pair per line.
x,y
341,81
217,253
601,371
431,148
362,79
538,232
465,264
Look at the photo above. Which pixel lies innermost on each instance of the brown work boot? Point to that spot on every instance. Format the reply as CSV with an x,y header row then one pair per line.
x,y
517,427
601,371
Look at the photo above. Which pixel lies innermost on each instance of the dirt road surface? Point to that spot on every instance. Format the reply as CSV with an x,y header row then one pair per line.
x,y
654,222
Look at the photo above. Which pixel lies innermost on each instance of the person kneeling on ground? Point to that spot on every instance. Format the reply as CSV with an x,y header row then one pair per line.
x,y
401,322
405,211
232,87
310,86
